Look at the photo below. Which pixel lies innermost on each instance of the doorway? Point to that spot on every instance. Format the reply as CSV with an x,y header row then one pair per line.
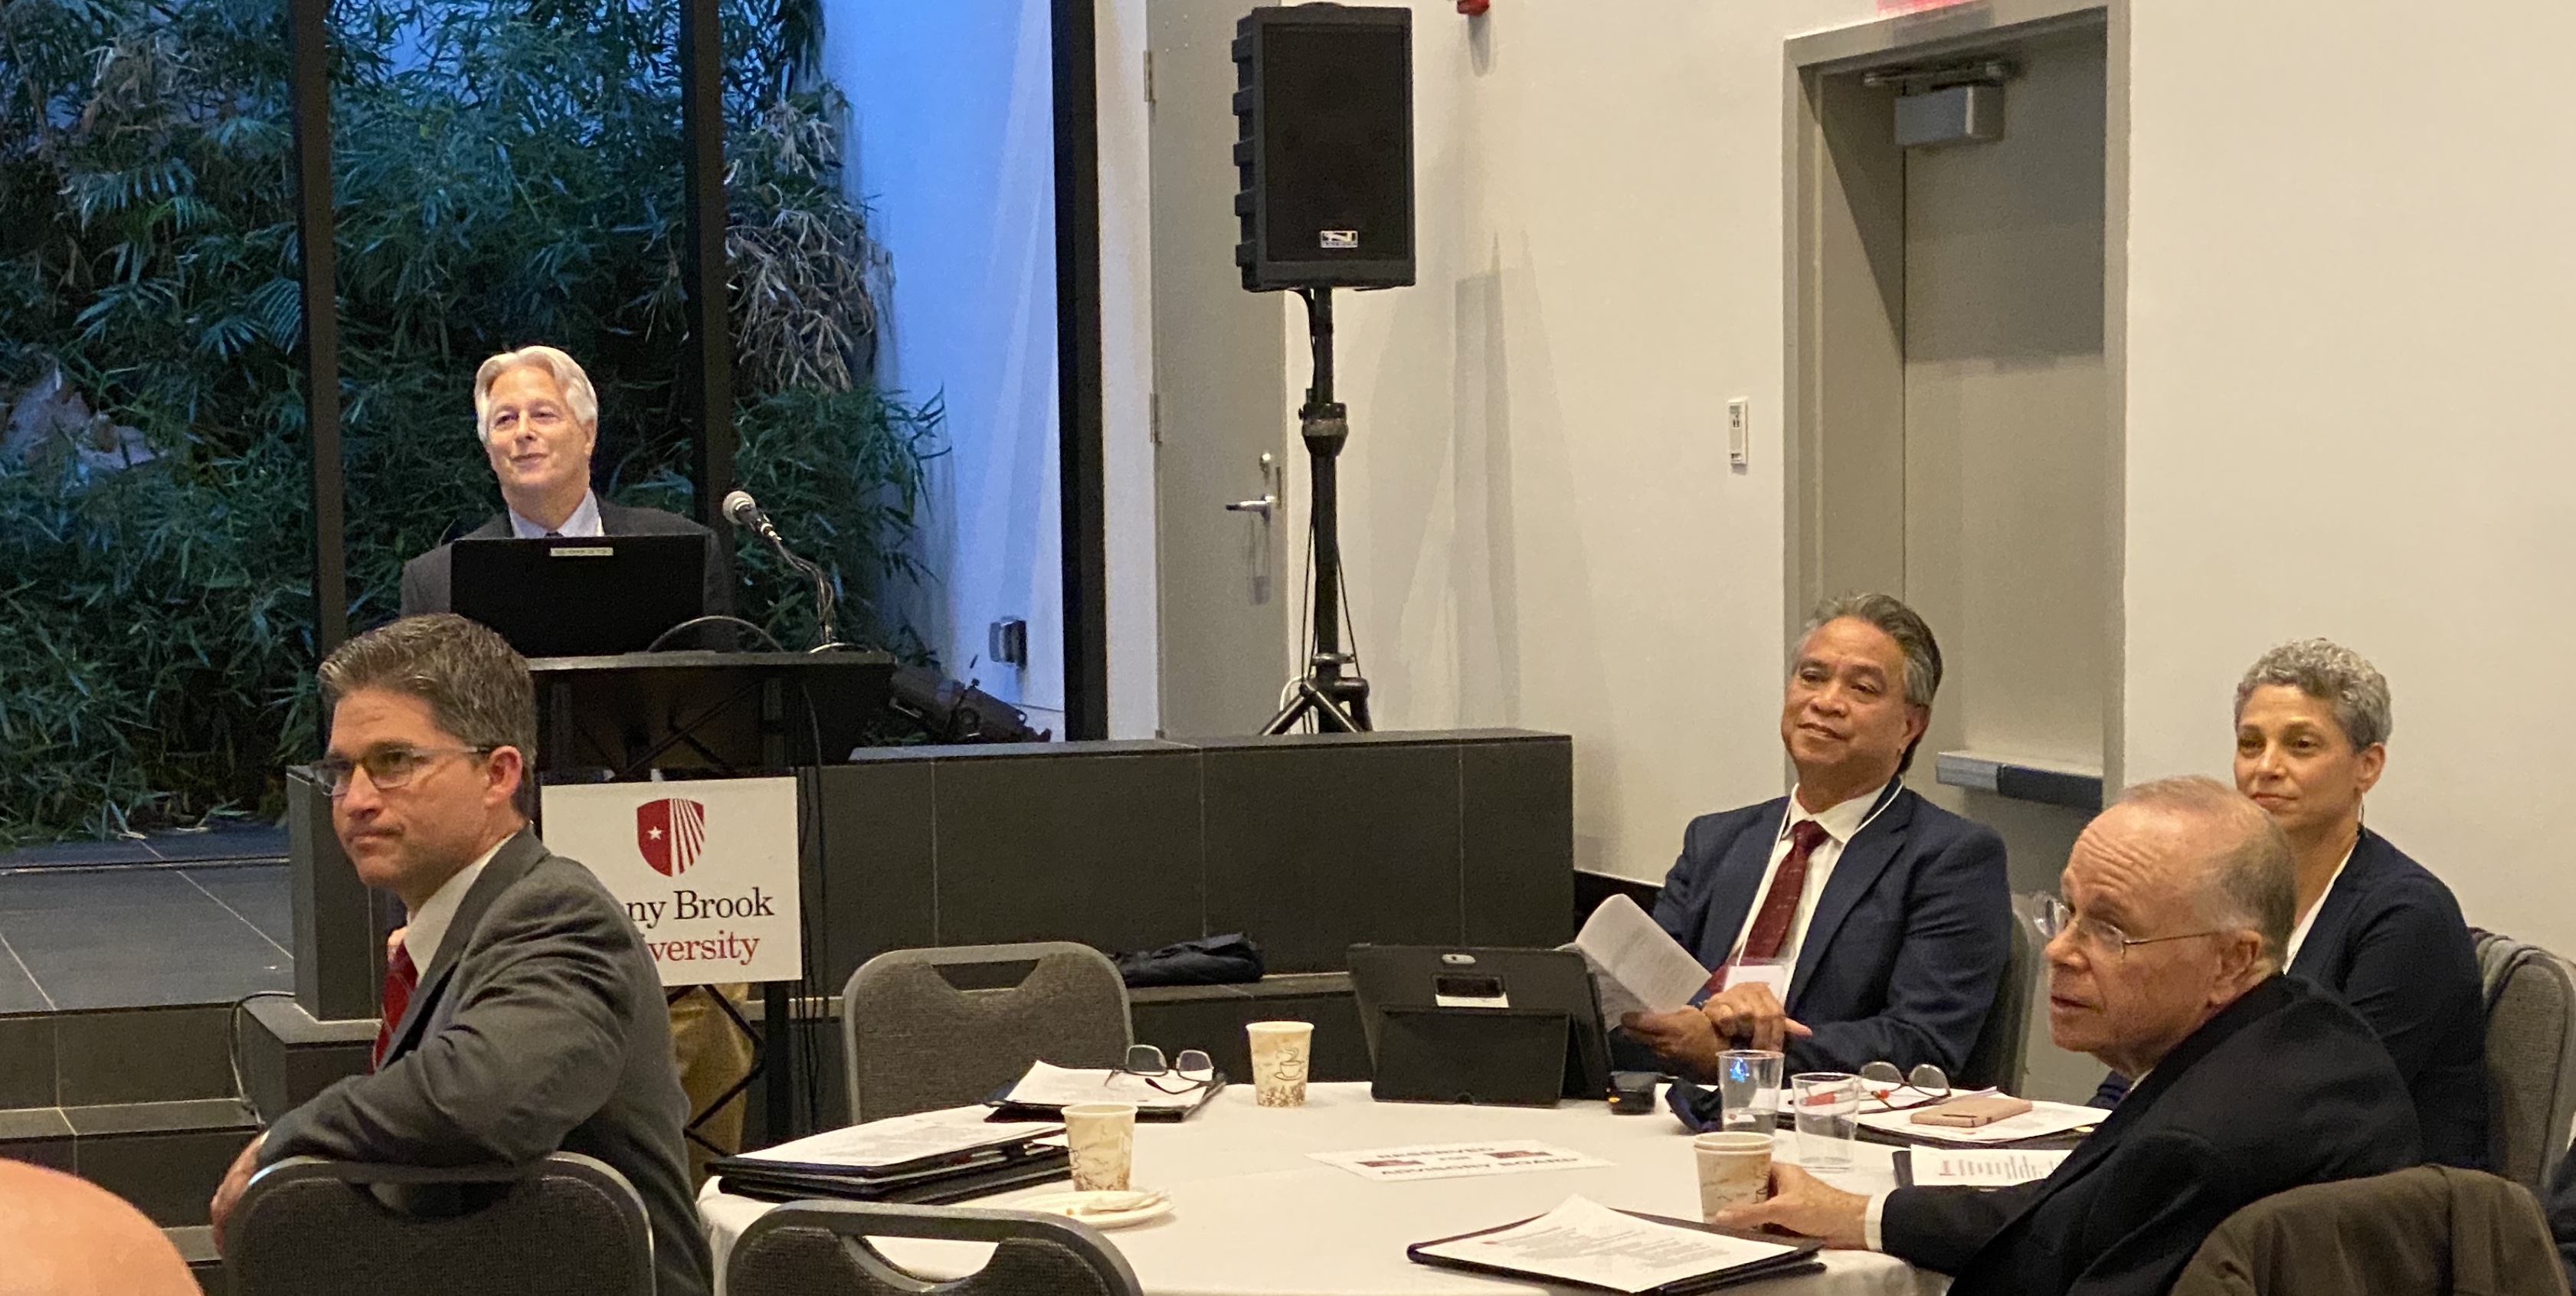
x,y
1220,398
1955,430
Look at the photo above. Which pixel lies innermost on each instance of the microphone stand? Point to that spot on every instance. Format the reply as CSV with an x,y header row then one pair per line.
x,y
822,583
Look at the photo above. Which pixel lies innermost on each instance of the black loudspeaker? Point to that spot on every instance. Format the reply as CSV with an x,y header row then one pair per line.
x,y
1324,104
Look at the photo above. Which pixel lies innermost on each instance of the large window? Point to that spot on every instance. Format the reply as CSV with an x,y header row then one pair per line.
x,y
952,148
155,570
501,174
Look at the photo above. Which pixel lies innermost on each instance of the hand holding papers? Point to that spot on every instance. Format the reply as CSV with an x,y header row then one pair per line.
x,y
1590,1245
1636,967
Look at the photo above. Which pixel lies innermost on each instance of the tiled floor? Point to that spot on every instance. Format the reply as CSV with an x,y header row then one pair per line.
x,y
228,842
126,937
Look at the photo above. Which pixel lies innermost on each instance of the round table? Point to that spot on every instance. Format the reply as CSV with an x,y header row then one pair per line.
x,y
1253,1215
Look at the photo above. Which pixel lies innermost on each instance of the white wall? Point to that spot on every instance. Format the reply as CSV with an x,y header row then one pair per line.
x,y
1541,525
1126,369
2350,352
952,146
2346,409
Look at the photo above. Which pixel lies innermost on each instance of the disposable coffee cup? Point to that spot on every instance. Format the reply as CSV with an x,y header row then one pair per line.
x,y
1102,1137
1279,1053
1734,1170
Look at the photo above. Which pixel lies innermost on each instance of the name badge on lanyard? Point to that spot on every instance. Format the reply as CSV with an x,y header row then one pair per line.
x,y
1775,972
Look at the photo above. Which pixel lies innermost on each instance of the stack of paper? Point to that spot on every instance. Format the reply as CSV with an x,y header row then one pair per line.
x,y
1049,1085
904,1140
933,1157
1586,1244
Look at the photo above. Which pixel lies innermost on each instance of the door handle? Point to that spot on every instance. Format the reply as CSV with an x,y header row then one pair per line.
x,y
1270,492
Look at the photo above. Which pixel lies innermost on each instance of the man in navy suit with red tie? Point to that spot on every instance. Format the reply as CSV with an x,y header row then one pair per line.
x,y
1851,921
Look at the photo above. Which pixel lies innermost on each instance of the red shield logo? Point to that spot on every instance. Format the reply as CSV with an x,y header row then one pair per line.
x,y
670,832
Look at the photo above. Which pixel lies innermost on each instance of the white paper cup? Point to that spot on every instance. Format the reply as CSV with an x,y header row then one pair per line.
x,y
1102,1137
1734,1170
1279,1053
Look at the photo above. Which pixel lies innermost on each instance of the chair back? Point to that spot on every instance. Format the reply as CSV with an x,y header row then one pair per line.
x,y
2428,1231
915,1041
2531,1057
823,1248
2002,1054
567,1225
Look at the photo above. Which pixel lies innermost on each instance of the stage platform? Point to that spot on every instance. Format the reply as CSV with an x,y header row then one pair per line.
x,y
138,936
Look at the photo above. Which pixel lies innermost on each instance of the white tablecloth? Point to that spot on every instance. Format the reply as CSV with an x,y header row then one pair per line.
x,y
1254,1216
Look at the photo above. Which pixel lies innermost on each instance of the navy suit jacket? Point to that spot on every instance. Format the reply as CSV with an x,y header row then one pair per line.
x,y
426,580
1909,940
2389,941
2283,1087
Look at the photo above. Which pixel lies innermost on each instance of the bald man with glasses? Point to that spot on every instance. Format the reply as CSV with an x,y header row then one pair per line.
x,y
2165,962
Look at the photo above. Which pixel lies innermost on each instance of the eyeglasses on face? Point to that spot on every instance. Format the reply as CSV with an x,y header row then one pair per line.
x,y
387,768
1193,1069
2056,917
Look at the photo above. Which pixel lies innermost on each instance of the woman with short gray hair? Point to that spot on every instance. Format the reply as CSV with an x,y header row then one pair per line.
x,y
2373,926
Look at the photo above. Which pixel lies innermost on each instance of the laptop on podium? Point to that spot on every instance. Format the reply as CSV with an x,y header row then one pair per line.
x,y
591,596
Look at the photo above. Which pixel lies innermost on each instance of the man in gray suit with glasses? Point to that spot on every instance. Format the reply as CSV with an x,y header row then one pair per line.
x,y
522,1015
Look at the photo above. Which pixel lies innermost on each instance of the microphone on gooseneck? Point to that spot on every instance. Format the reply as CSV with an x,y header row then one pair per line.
x,y
742,511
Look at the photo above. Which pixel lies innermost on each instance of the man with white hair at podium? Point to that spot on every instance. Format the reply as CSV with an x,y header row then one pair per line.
x,y
537,417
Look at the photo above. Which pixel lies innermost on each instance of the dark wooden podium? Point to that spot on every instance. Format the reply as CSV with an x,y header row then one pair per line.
x,y
711,713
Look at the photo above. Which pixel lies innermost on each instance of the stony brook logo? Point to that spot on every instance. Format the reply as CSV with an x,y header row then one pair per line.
x,y
670,832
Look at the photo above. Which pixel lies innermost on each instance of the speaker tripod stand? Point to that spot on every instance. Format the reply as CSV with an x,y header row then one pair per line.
x,y
1332,692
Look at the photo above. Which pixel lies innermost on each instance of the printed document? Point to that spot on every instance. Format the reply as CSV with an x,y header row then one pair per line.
x,y
1980,1168
899,1139
1456,1160
1585,1242
1636,966
1049,1085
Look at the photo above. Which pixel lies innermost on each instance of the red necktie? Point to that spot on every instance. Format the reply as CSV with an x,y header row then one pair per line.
x,y
1771,925
401,978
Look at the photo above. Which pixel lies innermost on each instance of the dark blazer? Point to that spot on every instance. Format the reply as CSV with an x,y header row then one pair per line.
x,y
2284,1087
425,582
2425,1230
2389,941
539,1027
1909,939
2561,1207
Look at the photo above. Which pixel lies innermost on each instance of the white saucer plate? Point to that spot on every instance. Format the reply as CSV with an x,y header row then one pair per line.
x,y
1101,1210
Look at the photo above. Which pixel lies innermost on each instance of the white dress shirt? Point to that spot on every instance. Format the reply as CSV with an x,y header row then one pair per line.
x,y
583,523
428,927
1841,822
2299,934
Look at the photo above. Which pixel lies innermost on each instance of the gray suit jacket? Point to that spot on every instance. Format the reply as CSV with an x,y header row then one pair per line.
x,y
426,583
539,1027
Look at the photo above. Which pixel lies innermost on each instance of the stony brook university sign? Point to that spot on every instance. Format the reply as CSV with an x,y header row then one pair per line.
x,y
705,868
670,832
